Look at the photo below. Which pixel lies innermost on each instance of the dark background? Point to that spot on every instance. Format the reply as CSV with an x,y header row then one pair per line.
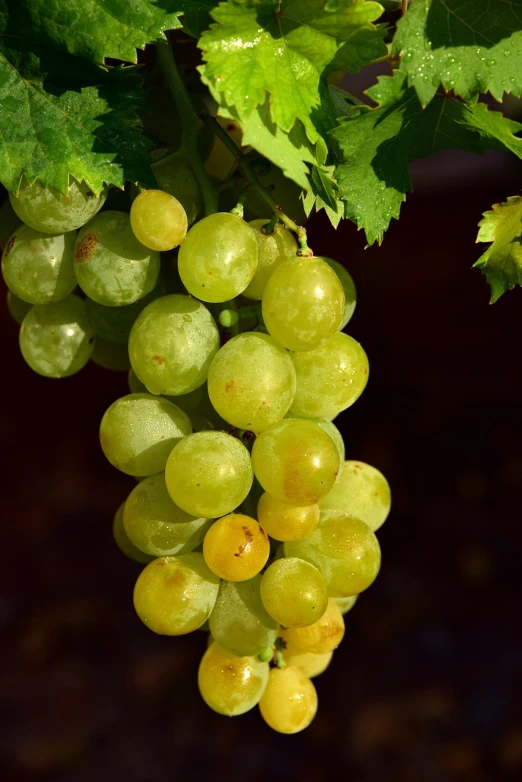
x,y
427,683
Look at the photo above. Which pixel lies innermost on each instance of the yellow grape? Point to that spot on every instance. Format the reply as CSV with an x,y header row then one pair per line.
x,y
289,703
294,592
236,547
325,635
229,684
309,663
158,220
361,491
346,603
175,595
286,522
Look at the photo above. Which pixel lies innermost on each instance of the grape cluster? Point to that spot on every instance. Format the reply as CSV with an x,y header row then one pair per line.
x,y
250,521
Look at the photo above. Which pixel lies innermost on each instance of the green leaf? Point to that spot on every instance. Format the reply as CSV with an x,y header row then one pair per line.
x,y
94,29
287,49
324,186
62,116
502,262
468,46
377,146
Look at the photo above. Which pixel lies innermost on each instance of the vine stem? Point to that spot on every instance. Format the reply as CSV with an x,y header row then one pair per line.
x,y
404,6
251,177
189,126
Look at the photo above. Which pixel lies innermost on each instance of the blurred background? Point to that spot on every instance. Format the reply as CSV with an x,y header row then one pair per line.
x,y
427,683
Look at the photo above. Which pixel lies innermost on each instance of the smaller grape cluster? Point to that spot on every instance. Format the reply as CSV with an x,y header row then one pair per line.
x,y
251,523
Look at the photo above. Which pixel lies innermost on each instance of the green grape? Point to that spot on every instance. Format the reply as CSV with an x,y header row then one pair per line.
x,y
110,355
273,249
45,209
172,343
209,474
155,524
345,604
18,309
112,267
294,592
286,522
138,432
175,595
303,303
239,621
218,258
295,461
9,222
175,176
123,542
361,491
251,381
344,549
236,547
114,324
158,220
309,663
38,267
330,428
289,703
322,636
330,378
229,684
350,294
56,339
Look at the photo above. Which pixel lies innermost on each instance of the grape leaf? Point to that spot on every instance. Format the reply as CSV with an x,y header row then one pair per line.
x,y
377,146
502,262
61,115
468,46
287,49
94,29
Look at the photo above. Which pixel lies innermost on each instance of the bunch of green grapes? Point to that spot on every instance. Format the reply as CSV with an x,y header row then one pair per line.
x,y
248,519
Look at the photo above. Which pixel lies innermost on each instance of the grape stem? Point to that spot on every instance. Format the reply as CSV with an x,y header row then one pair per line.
x,y
254,183
189,126
404,6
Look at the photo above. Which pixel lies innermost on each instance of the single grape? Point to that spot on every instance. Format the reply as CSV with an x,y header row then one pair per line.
x,y
330,428
310,664
114,324
47,210
38,267
18,309
110,355
175,176
294,592
155,524
330,378
350,294
273,249
229,684
286,522
289,703
325,635
218,258
56,339
175,595
295,461
158,220
361,492
346,604
9,222
251,381
236,547
209,474
172,343
345,550
112,267
239,621
138,432
303,304
123,542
